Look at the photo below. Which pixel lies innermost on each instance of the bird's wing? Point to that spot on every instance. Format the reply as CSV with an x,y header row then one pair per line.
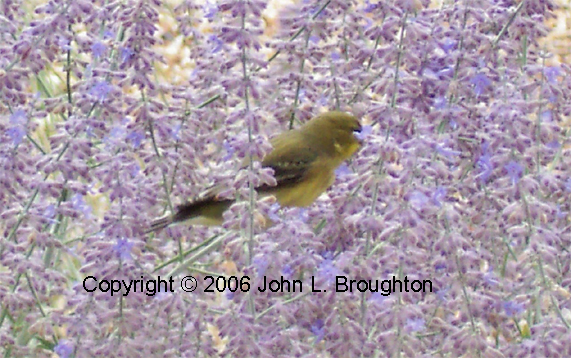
x,y
290,161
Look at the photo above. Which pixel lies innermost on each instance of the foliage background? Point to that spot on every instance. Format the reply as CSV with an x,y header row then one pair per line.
x,y
113,112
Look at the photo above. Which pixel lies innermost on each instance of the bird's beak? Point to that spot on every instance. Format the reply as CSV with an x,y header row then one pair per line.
x,y
358,134
361,133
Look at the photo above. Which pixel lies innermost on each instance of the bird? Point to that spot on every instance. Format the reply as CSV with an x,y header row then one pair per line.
x,y
303,160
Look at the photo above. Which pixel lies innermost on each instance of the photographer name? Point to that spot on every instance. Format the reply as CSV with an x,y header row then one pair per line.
x,y
344,284
211,284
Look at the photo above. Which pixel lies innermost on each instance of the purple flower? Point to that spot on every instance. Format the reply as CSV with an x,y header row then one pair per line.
x,y
415,324
17,131
490,277
64,348
16,134
210,10
366,131
369,7
418,199
217,44
448,44
302,215
342,170
117,134
126,54
64,44
446,72
442,293
287,271
89,132
560,213
327,270
261,265
480,82
80,205
378,299
301,95
551,73
123,248
440,102
175,132
447,152
135,170
512,308
50,213
98,49
318,329
440,266
485,164
554,144
230,150
100,90
136,138
438,195
272,214
514,171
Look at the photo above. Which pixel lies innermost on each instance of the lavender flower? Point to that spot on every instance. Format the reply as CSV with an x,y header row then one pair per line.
x,y
101,90
317,328
512,308
485,164
98,49
514,171
17,129
123,249
64,348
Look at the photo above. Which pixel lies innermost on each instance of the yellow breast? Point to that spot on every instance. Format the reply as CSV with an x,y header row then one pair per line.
x,y
304,193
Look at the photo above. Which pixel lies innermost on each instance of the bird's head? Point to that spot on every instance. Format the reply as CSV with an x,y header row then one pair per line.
x,y
338,131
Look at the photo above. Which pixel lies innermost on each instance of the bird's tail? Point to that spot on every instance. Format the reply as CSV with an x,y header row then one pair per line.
x,y
210,209
160,223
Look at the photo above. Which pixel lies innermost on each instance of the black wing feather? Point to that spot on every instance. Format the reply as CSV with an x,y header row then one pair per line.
x,y
290,166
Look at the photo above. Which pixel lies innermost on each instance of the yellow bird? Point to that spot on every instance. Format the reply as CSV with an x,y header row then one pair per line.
x,y
303,160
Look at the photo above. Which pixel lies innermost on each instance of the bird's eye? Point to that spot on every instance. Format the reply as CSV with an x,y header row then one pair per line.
x,y
357,129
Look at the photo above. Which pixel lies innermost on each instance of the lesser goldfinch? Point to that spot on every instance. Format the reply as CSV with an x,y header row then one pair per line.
x,y
303,160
